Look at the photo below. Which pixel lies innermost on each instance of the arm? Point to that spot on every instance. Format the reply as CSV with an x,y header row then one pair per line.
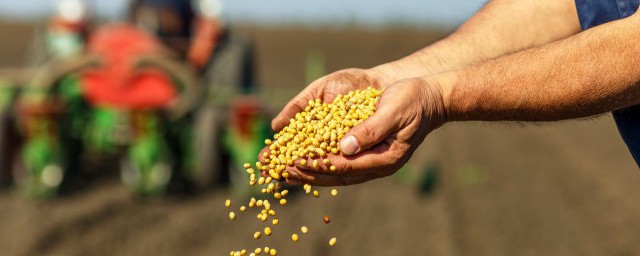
x,y
591,73
500,27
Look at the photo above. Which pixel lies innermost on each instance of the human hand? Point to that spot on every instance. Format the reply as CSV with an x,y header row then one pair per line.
x,y
408,110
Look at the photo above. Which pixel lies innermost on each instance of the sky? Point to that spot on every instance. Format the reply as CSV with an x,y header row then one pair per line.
x,y
309,12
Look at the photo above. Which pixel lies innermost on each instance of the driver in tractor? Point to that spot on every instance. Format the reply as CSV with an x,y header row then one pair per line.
x,y
196,31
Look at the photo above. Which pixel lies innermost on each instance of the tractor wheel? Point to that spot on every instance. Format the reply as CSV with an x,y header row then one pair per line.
x,y
151,181
148,166
207,151
38,184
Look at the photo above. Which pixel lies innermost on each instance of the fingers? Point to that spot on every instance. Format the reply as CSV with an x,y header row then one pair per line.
x,y
370,132
380,161
326,180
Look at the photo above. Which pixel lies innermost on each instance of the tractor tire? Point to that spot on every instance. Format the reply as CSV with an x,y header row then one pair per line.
x,y
37,184
146,183
208,151
230,73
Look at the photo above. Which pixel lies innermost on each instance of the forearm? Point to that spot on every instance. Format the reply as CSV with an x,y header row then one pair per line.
x,y
500,27
593,72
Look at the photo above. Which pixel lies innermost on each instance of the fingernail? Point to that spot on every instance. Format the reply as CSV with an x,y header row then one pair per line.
x,y
349,145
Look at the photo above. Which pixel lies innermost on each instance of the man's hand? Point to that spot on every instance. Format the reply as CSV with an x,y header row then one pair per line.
x,y
407,111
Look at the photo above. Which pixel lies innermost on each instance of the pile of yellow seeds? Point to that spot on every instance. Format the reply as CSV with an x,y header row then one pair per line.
x,y
310,136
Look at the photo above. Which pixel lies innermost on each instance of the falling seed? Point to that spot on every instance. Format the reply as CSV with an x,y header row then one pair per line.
x,y
333,241
326,219
334,192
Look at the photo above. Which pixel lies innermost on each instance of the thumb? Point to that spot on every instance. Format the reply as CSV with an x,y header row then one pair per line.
x,y
369,133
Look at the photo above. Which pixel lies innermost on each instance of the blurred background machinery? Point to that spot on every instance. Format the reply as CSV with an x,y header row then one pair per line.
x,y
156,93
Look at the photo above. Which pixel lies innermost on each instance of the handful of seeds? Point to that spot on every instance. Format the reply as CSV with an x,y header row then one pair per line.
x,y
310,136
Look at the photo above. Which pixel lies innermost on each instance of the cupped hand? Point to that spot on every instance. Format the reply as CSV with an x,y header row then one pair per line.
x,y
407,111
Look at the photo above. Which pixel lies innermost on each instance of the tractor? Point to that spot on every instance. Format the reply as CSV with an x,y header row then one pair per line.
x,y
121,95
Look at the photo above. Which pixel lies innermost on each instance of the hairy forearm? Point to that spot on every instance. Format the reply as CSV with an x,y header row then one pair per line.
x,y
500,27
590,73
